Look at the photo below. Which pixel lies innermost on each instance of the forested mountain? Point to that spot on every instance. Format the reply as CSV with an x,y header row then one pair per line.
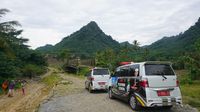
x,y
177,45
126,43
91,39
85,42
45,49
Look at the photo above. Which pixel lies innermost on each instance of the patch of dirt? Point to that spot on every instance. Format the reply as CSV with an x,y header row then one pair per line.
x,y
69,85
35,93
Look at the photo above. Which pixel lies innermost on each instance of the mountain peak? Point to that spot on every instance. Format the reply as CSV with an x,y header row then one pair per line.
x,y
87,41
91,26
93,23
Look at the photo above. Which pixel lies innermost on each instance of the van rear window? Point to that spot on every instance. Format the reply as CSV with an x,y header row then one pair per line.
x,y
158,69
100,72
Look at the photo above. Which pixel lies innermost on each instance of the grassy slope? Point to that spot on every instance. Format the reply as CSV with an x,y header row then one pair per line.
x,y
190,92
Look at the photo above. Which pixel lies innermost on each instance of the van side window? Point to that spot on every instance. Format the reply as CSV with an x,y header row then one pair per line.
x,y
117,73
135,69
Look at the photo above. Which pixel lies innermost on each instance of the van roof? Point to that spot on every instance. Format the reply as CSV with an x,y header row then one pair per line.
x,y
158,62
147,62
99,68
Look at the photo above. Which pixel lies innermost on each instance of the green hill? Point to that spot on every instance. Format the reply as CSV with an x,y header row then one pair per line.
x,y
126,44
46,48
85,42
177,45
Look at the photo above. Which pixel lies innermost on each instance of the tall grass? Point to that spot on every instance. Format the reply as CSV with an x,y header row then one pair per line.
x,y
190,89
51,79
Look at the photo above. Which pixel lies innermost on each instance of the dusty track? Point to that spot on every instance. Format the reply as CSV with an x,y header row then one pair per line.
x,y
28,103
72,97
36,92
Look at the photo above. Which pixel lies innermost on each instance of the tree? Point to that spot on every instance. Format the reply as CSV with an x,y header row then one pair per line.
x,y
64,55
8,26
136,45
106,58
192,62
15,56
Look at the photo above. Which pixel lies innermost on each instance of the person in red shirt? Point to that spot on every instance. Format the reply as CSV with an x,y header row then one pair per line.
x,y
5,86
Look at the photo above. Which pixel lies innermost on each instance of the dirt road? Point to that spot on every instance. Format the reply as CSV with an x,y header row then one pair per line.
x,y
70,96
35,93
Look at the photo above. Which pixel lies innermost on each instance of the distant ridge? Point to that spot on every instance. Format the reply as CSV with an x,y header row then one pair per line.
x,y
176,45
86,41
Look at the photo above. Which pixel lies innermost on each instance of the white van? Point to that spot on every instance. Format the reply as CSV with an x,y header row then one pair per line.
x,y
97,79
146,84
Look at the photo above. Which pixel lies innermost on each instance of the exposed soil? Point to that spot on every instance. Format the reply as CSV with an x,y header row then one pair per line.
x,y
71,96
35,92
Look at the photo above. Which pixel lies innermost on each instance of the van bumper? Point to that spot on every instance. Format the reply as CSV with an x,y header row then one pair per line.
x,y
164,102
152,98
99,87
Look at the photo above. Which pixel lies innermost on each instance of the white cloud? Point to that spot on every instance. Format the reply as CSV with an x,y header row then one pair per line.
x,y
40,37
47,21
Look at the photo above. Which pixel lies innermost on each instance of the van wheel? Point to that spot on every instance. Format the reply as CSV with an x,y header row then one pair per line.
x,y
168,107
110,93
133,103
90,88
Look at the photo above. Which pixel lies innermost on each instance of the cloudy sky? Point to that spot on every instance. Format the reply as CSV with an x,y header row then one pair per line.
x,y
48,21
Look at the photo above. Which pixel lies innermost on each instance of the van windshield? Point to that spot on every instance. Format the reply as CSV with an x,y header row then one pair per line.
x,y
158,69
100,72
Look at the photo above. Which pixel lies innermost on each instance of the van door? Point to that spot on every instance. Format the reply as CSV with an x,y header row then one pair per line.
x,y
119,82
160,75
101,76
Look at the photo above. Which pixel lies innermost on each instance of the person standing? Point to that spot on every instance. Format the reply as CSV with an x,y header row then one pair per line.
x,y
5,86
11,88
23,82
135,81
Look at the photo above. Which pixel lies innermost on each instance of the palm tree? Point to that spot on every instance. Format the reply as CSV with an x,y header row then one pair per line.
x,y
136,45
7,26
8,33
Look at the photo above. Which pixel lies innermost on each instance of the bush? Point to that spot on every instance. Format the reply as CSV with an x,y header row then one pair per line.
x,y
83,71
51,79
186,81
31,70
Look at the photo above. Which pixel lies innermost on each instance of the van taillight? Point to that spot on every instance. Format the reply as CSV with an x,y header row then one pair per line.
x,y
91,78
144,83
177,82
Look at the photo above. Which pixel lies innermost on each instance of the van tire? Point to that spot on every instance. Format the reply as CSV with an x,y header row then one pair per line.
x,y
168,107
90,88
133,102
110,93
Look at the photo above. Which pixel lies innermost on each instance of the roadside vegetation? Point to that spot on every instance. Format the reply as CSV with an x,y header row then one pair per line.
x,y
51,79
16,58
190,89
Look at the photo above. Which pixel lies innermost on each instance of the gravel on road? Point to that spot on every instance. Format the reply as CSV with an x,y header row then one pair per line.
x,y
73,97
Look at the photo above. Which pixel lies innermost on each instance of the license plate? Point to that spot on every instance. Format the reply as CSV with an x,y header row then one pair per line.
x,y
101,83
164,102
163,93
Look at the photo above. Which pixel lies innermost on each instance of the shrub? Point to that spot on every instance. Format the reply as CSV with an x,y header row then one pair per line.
x,y
31,70
83,71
